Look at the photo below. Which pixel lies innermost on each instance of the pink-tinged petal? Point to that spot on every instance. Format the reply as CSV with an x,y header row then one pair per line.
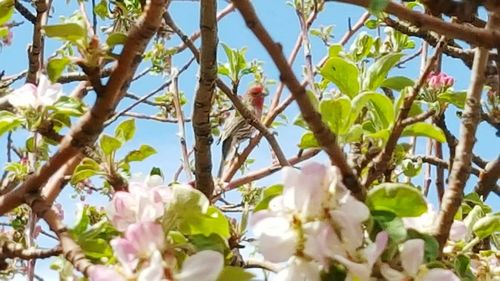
x,y
322,242
24,96
439,274
146,237
412,255
122,210
391,274
104,273
458,231
205,265
154,271
356,210
357,271
373,251
126,252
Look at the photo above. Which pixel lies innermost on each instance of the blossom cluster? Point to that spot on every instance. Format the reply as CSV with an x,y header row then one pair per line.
x,y
316,224
143,252
439,81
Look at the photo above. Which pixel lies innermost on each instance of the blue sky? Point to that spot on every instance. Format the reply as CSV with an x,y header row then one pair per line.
x,y
283,26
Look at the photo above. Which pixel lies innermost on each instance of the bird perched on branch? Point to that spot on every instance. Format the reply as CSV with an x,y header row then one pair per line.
x,y
236,128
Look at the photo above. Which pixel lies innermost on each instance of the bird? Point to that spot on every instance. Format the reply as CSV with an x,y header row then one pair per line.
x,y
236,128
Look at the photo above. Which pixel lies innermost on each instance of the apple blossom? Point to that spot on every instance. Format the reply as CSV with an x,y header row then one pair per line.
x,y
140,241
299,270
104,273
154,271
412,258
33,96
141,203
439,81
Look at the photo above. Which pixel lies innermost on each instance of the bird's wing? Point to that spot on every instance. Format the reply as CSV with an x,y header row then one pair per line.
x,y
231,125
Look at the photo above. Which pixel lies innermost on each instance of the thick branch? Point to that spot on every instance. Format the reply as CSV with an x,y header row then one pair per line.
x,y
203,99
11,250
463,154
35,50
488,179
325,137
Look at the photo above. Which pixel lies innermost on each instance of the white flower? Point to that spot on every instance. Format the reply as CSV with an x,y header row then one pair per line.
x,y
154,270
205,265
362,271
34,96
412,258
299,270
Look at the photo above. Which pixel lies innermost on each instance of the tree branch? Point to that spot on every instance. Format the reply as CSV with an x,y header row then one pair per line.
x,y
460,170
325,137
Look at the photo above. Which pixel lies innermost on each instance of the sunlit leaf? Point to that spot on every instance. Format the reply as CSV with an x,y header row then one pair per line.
x,y
56,66
402,199
109,144
65,31
343,73
8,121
377,72
140,154
397,83
423,129
268,194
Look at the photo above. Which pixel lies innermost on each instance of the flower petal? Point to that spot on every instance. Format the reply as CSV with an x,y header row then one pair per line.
x,y
391,274
104,273
24,96
205,265
412,256
458,231
439,274
154,271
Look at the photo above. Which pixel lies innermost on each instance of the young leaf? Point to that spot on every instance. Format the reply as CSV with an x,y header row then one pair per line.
x,y
343,73
231,273
126,130
308,141
140,154
380,104
86,169
377,72
268,194
397,83
487,225
455,98
70,31
423,129
8,121
56,66
6,10
336,112
116,38
109,144
402,199
392,224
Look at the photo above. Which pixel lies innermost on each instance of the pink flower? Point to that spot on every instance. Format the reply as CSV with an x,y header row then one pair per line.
x,y
140,241
104,273
141,204
439,81
34,96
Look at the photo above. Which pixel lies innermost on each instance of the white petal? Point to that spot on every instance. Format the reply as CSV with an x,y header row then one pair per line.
x,y
351,231
205,265
277,248
358,271
299,270
269,223
373,251
154,271
439,274
356,210
24,96
391,274
412,255
458,231
322,242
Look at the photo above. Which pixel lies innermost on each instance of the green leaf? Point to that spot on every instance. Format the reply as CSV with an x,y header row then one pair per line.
x,y
140,154
126,130
487,225
56,66
82,221
86,169
211,222
397,83
455,98
379,104
431,246
70,31
268,194
308,141
411,168
343,73
8,121
6,10
377,72
423,129
116,38
372,23
186,202
361,47
109,144
96,249
231,273
402,199
335,113
462,268
68,106
392,224
101,9
209,242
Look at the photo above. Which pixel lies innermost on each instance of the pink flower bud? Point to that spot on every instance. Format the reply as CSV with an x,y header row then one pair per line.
x,y
439,81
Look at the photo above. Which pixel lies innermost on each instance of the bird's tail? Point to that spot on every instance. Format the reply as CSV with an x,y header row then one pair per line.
x,y
227,149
